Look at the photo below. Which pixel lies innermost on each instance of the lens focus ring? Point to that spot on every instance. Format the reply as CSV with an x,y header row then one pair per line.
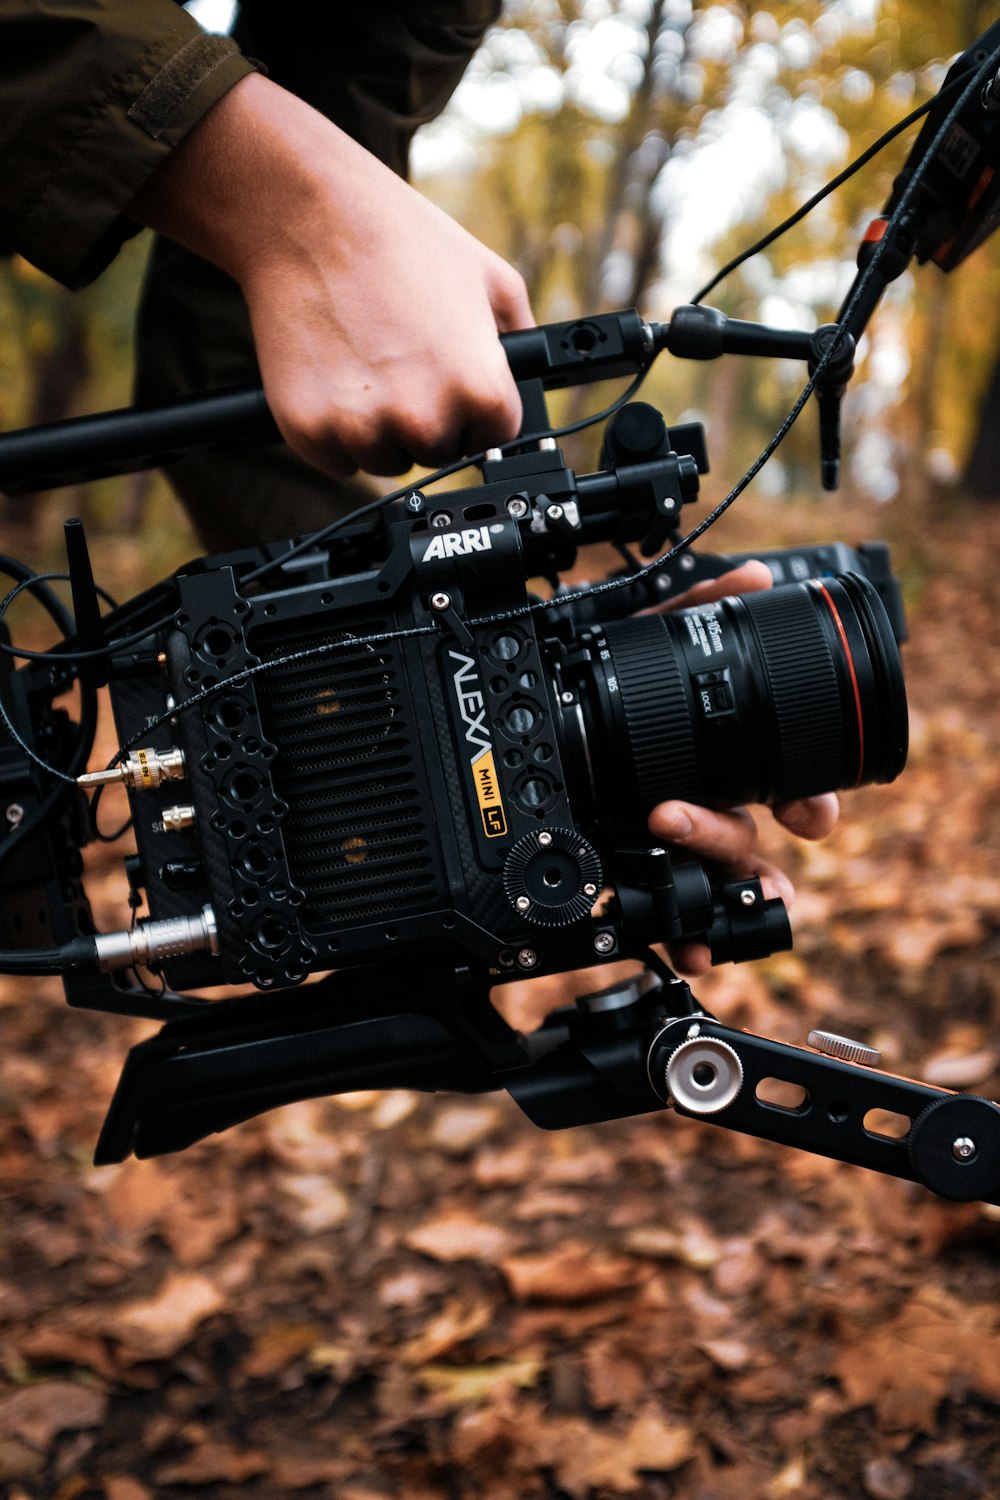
x,y
656,709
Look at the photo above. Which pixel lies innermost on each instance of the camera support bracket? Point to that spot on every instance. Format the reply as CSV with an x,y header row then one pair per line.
x,y
632,1049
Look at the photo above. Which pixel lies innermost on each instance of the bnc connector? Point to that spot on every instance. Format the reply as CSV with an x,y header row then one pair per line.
x,y
141,770
174,819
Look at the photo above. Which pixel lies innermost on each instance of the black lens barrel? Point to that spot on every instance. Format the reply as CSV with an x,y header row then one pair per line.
x,y
764,697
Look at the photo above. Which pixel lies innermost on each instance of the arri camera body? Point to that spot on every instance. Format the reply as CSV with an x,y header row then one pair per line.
x,y
381,751
404,759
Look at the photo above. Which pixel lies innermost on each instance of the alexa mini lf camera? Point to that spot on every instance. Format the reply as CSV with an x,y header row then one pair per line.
x,y
374,752
383,751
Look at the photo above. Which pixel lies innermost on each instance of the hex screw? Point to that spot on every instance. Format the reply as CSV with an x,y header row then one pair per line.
x,y
527,958
14,813
440,601
604,943
748,898
545,839
522,903
554,513
517,507
590,889
440,519
566,698
964,1149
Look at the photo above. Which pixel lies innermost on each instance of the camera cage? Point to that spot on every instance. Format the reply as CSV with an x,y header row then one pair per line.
x,y
640,1044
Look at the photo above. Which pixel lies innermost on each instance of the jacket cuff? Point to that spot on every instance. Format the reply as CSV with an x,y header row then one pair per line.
x,y
75,225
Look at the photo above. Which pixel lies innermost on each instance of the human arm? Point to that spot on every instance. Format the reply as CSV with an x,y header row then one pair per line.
x,y
375,316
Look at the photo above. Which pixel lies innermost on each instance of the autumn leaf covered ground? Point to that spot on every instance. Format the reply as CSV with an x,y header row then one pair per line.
x,y
397,1295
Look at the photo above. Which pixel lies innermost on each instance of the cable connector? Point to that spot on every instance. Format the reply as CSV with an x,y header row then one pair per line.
x,y
151,942
142,770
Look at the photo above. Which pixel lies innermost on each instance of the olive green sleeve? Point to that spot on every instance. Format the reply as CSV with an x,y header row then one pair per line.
x,y
94,95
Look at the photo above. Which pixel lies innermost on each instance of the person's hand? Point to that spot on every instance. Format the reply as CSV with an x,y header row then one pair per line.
x,y
375,316
728,840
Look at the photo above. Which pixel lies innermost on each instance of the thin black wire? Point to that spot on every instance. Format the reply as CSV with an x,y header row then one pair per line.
x,y
800,213
4,716
120,643
316,538
47,598
861,287
608,585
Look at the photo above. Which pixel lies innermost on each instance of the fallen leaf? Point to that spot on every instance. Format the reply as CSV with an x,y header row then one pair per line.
x,y
459,1235
160,1326
957,1070
455,1323
304,1471
459,1127
38,1413
886,1479
62,1345
124,1487
214,1462
277,1345
586,1458
727,1354
934,1346
457,1384
319,1203
571,1272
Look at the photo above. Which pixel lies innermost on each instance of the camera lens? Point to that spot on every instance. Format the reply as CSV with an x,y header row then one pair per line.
x,y
762,698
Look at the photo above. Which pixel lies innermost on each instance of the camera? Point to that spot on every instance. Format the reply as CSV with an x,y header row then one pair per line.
x,y
403,760
408,753
385,748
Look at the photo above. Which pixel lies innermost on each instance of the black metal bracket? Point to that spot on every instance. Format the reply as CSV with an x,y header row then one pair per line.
x,y
634,1048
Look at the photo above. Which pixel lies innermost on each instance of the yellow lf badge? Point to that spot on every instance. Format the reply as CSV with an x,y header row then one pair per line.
x,y
484,775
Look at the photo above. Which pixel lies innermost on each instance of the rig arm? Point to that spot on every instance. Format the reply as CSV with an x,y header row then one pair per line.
x,y
625,1051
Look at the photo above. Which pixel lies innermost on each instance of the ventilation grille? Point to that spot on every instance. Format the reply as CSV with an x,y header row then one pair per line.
x,y
356,832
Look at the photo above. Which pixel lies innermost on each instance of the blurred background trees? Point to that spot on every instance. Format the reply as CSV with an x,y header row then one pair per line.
x,y
617,151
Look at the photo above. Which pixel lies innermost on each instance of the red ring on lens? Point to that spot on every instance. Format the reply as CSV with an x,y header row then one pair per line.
x,y
854,676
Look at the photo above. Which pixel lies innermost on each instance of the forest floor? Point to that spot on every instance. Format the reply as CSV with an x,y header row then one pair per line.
x,y
401,1295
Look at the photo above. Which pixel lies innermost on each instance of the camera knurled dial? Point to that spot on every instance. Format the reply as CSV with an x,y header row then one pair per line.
x,y
552,877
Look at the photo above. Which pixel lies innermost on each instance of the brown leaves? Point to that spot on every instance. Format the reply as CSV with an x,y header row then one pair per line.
x,y
571,1272
935,1346
395,1295
37,1413
159,1326
212,1463
585,1458
459,1235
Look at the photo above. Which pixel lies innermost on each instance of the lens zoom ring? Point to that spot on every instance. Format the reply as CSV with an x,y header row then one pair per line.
x,y
802,677
656,708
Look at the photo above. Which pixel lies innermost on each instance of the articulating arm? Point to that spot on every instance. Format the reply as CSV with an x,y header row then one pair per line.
x,y
631,1049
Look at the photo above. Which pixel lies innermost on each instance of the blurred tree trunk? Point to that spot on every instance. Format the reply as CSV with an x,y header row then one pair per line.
x,y
981,479
61,375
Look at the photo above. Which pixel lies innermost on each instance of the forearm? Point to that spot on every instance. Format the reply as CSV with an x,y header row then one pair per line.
x,y
375,316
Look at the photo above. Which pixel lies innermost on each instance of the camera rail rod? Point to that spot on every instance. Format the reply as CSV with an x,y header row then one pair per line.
x,y
579,352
